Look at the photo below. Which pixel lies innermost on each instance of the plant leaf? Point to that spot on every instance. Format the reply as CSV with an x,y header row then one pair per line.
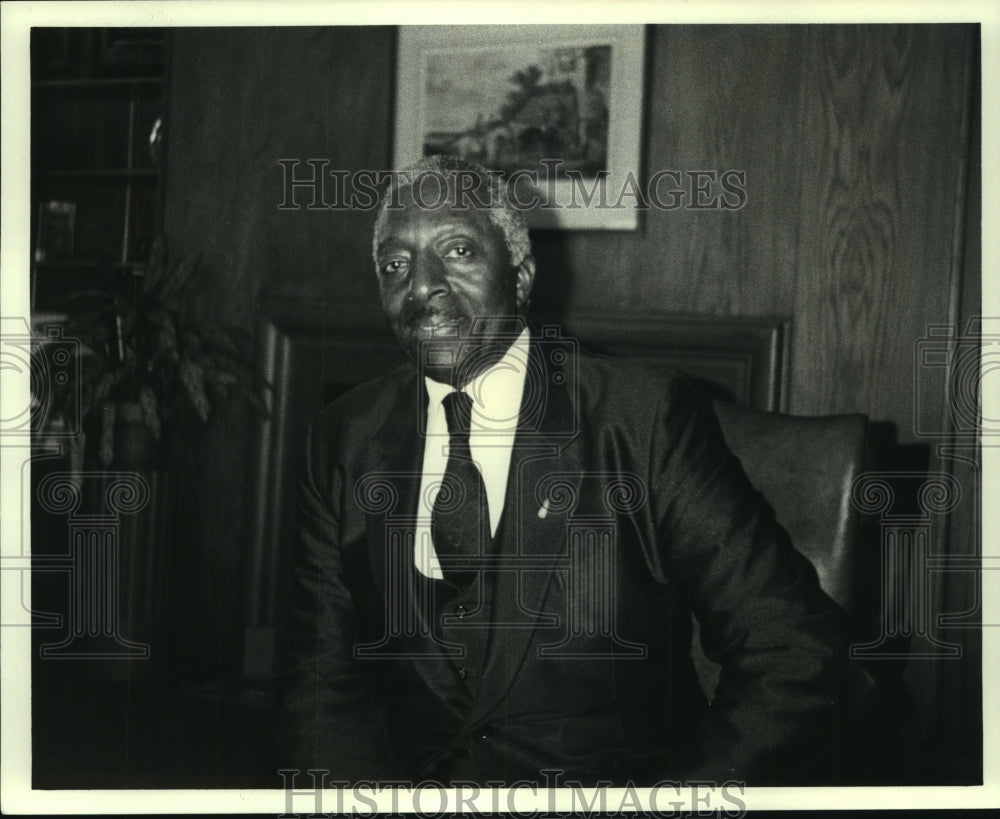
x,y
156,267
193,378
222,339
167,337
106,450
179,276
150,411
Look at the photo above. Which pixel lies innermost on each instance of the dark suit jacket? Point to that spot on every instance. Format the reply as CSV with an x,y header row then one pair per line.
x,y
649,519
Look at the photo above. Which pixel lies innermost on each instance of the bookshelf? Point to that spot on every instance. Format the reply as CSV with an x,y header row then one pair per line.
x,y
98,98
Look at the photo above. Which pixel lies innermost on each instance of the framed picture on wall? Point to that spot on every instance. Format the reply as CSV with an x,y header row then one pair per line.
x,y
556,108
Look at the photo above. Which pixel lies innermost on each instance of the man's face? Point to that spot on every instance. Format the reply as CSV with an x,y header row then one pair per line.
x,y
439,270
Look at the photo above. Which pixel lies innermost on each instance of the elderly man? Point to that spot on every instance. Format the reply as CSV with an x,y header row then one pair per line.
x,y
502,544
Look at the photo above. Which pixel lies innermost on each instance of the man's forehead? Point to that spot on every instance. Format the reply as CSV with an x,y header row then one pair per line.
x,y
410,211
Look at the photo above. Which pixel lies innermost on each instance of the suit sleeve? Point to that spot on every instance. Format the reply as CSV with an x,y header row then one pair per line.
x,y
327,718
763,616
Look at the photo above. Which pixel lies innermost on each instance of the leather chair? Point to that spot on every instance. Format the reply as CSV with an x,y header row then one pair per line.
x,y
805,468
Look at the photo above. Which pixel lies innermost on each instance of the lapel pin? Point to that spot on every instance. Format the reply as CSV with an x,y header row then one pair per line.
x,y
544,511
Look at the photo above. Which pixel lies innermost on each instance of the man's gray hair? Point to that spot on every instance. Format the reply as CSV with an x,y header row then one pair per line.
x,y
488,193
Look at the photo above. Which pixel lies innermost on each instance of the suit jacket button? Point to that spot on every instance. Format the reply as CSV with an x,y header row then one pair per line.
x,y
462,673
461,611
484,732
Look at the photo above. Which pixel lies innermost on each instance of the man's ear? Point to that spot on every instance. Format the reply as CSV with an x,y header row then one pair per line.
x,y
525,280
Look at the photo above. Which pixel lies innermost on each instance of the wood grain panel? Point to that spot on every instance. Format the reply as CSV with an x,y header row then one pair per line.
x,y
886,120
962,738
718,98
245,99
241,99
884,114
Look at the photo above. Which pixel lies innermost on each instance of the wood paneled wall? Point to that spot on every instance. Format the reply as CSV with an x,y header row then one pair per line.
x,y
853,140
855,144
241,100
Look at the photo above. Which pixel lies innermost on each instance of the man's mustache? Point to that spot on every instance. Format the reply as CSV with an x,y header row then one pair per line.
x,y
424,313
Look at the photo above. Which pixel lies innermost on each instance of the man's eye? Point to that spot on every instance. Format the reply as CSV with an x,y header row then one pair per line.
x,y
459,252
393,266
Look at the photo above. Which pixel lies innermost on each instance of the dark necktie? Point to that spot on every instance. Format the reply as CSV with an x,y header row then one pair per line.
x,y
460,519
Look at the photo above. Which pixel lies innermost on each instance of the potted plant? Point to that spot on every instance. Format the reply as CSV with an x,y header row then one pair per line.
x,y
151,372
148,366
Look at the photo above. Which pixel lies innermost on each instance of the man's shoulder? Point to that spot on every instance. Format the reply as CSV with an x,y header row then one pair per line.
x,y
364,407
630,380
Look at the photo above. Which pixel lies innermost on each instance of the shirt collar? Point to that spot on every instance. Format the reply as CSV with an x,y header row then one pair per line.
x,y
495,392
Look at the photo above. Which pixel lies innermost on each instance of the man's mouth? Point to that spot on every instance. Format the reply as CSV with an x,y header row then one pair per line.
x,y
435,322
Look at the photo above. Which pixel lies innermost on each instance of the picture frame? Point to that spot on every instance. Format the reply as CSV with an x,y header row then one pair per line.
x,y
556,108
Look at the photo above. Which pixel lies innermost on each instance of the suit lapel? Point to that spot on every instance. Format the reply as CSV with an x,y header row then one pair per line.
x,y
398,449
543,484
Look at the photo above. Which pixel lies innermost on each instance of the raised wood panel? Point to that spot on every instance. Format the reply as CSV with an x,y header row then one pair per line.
x,y
742,359
305,358
308,353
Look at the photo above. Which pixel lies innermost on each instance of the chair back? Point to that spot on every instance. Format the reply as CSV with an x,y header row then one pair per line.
x,y
804,467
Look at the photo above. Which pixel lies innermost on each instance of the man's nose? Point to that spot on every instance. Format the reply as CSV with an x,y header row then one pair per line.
x,y
429,277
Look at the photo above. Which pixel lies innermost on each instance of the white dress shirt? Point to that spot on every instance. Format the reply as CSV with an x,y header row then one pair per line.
x,y
496,405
